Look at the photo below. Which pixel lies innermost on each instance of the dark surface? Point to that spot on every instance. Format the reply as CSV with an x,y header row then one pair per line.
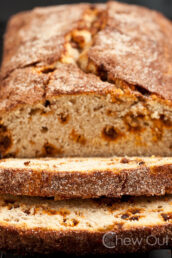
x,y
154,254
9,7
162,253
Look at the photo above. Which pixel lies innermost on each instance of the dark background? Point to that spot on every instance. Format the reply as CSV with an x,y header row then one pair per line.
x,y
10,7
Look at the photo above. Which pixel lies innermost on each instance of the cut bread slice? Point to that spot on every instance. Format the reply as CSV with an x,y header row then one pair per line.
x,y
86,80
86,177
35,225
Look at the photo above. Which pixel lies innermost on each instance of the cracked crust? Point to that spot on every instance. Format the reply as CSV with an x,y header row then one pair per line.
x,y
72,80
135,46
36,85
138,55
78,226
22,86
86,178
38,36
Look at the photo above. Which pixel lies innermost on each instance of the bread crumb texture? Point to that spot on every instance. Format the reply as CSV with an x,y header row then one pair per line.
x,y
86,215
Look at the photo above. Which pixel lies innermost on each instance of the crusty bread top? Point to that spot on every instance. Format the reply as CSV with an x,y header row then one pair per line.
x,y
128,43
38,36
69,79
29,86
136,47
23,86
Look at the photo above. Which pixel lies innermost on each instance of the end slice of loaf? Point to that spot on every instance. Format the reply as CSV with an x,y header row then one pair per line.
x,y
86,177
35,225
86,80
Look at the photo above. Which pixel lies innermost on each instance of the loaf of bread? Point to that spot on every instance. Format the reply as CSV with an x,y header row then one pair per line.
x,y
35,225
86,80
86,177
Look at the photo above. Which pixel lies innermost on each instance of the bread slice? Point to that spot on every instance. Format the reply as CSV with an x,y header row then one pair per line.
x,y
86,80
86,177
85,226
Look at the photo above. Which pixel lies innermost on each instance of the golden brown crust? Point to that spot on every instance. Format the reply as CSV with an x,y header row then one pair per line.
x,y
22,86
135,46
32,85
141,179
79,242
38,36
69,79
139,55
